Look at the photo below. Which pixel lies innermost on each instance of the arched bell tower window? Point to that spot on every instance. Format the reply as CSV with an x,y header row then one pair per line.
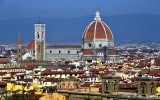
x,y
38,36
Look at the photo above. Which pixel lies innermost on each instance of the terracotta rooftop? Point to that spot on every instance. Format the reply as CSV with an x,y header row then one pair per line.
x,y
2,83
88,52
31,45
97,30
112,52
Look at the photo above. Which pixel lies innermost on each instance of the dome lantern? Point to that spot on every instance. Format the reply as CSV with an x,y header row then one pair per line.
x,y
97,17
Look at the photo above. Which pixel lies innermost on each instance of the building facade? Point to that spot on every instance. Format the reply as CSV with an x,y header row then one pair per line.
x,y
60,52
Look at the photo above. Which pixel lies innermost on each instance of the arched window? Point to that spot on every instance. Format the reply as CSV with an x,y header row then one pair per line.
x,y
59,51
114,84
38,36
68,51
39,48
152,87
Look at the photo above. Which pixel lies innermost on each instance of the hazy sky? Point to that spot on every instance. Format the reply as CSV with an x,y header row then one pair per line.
x,y
10,9
22,14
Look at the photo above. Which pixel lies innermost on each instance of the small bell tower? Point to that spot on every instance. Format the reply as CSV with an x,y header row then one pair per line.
x,y
19,49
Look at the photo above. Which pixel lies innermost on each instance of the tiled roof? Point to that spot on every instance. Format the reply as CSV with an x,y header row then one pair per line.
x,y
51,80
50,72
112,52
30,67
88,52
97,30
87,76
2,83
3,62
31,45
63,46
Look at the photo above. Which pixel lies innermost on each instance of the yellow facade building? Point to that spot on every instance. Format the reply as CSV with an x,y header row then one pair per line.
x,y
54,96
15,87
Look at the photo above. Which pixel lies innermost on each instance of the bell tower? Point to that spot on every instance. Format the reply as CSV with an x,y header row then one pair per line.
x,y
19,49
39,41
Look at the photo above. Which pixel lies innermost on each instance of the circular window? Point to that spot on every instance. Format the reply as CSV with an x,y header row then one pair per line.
x,y
100,45
89,45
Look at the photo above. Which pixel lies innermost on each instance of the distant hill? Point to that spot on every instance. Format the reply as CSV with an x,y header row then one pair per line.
x,y
127,28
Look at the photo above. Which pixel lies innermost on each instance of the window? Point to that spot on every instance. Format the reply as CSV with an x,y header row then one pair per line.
x,y
38,36
39,48
50,51
42,35
89,45
77,51
59,51
68,51
100,45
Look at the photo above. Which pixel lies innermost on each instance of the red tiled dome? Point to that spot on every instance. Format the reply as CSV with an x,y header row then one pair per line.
x,y
31,45
97,30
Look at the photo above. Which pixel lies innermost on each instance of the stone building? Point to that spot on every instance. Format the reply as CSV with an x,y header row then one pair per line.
x,y
70,83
